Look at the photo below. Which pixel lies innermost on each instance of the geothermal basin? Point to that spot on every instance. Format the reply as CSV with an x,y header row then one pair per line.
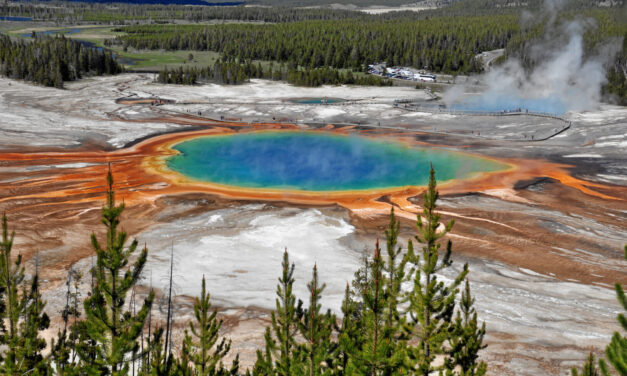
x,y
542,229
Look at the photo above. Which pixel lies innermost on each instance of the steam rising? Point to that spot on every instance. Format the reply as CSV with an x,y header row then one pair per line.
x,y
563,79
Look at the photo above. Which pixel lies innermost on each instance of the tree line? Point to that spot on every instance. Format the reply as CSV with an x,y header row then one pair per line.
x,y
442,44
52,61
397,318
258,11
76,12
234,73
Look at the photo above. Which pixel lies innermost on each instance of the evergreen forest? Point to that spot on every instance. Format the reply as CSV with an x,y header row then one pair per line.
x,y
51,61
233,73
441,43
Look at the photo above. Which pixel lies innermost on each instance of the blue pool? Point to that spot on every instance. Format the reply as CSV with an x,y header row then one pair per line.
x,y
317,100
318,162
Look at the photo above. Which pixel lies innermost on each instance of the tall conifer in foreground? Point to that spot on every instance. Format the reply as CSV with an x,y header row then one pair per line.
x,y
62,353
12,275
380,347
466,339
278,355
202,345
22,312
431,301
29,345
113,330
317,352
350,336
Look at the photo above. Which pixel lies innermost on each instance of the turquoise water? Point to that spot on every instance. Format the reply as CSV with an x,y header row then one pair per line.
x,y
511,103
318,162
318,100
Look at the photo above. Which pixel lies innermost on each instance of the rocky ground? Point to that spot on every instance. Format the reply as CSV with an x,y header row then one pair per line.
x,y
543,243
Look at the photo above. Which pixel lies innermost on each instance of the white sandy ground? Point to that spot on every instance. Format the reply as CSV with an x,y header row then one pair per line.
x,y
87,110
239,251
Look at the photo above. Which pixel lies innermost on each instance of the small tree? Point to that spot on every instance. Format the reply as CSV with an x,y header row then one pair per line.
x,y
29,345
277,357
205,351
22,338
431,301
467,338
317,352
113,330
380,349
62,351
350,336
589,368
616,350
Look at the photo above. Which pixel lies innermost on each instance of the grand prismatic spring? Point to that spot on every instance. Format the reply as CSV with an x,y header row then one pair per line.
x,y
311,161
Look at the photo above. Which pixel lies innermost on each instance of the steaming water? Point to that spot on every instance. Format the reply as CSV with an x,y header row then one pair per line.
x,y
499,102
318,162
318,100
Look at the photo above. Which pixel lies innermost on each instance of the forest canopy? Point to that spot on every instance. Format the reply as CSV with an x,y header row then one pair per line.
x,y
50,61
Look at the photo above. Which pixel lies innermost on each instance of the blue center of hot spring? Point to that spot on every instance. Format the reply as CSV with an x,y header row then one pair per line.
x,y
318,162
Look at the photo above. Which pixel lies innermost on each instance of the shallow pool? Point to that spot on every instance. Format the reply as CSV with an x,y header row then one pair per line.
x,y
317,100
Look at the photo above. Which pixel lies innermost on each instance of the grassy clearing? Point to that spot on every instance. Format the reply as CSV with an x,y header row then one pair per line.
x,y
156,60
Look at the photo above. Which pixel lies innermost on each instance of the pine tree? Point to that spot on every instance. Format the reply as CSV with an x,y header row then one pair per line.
x,y
277,357
316,353
350,337
113,330
589,368
12,275
160,363
431,301
395,272
23,312
467,338
29,345
380,347
62,352
205,329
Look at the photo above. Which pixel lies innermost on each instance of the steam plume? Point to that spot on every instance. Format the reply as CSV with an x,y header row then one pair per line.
x,y
563,79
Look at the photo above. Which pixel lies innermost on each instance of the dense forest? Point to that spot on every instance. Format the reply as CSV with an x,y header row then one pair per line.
x,y
121,13
442,44
397,318
233,73
280,11
52,61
